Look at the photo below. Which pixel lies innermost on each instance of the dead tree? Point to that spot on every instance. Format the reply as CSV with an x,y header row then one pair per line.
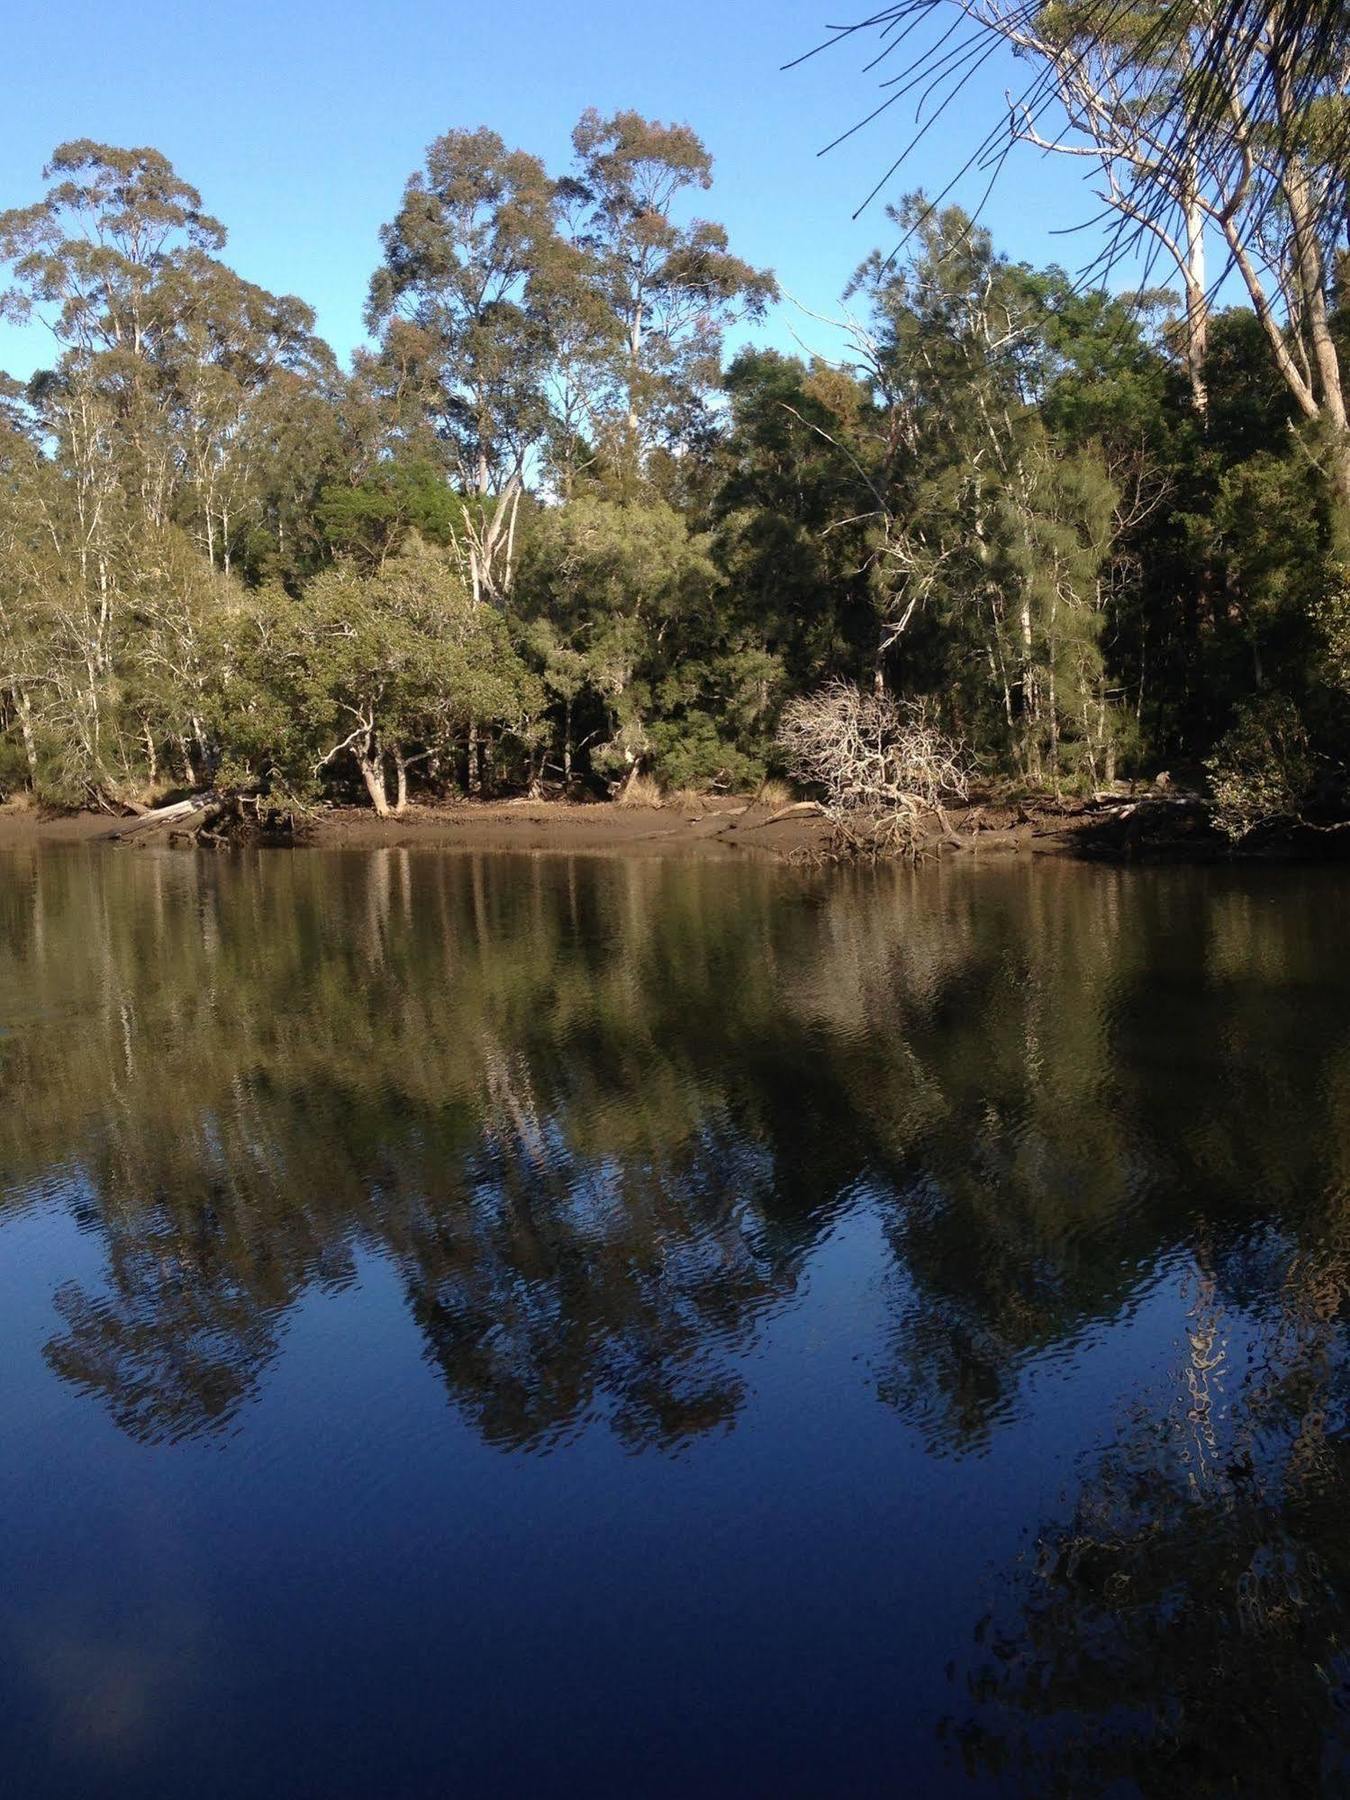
x,y
885,767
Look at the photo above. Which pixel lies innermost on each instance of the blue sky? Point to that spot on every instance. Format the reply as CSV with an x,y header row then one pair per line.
x,y
301,122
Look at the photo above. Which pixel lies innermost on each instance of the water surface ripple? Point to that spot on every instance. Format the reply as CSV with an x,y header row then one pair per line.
x,y
503,1325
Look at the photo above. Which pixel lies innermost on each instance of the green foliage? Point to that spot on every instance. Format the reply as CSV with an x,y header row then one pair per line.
x,y
521,538
392,665
667,289
1331,616
369,520
1262,769
13,767
612,594
455,298
694,750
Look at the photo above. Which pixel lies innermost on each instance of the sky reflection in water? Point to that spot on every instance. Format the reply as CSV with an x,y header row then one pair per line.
x,y
503,1325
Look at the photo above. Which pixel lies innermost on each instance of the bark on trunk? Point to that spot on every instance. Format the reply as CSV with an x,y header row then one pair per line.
x,y
1197,301
23,706
178,813
372,773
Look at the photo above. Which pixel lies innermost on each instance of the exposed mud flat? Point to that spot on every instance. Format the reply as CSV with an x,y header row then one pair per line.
x,y
1147,826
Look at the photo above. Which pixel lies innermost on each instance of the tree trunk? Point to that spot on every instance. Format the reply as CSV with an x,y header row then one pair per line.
x,y
634,765
1197,298
23,706
634,368
1031,702
372,773
178,813
401,768
508,579
1311,280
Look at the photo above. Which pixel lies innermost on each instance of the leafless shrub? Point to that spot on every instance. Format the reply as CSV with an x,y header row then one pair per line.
x,y
884,765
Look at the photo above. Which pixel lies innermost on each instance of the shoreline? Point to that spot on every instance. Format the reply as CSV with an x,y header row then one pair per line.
x,y
728,827
517,825
1146,829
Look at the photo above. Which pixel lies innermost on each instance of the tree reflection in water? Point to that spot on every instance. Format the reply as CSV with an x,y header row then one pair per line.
x,y
600,1116
1183,1627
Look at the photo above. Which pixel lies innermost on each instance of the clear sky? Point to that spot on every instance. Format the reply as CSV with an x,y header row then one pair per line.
x,y
300,123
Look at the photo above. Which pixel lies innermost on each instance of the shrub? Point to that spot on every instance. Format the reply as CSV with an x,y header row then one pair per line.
x,y
1262,769
774,794
639,790
691,752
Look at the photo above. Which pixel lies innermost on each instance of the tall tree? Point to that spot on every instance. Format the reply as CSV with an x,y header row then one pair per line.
x,y
669,289
1209,118
459,258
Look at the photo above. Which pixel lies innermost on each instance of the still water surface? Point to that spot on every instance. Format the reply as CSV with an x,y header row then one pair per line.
x,y
493,1326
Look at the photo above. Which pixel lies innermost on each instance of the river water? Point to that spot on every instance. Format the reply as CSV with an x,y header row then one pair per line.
x,y
504,1325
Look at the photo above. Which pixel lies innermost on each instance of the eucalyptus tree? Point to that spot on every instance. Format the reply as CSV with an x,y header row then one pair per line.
x,y
462,333
1200,122
223,344
64,542
669,289
166,663
26,572
1223,120
983,540
156,413
90,260
88,257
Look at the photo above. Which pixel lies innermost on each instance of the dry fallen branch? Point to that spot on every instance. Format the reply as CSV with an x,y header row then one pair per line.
x,y
798,809
885,766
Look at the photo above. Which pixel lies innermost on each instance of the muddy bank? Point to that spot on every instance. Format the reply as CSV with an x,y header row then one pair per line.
x,y
726,828
26,825
1145,827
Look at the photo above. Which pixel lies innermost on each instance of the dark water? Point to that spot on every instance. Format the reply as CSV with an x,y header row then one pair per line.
x,y
501,1326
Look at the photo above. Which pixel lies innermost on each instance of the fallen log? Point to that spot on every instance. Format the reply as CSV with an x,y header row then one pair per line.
x,y
797,809
1126,804
178,812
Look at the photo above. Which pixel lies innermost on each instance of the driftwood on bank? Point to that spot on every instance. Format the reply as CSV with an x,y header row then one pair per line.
x,y
796,810
198,809
184,814
212,820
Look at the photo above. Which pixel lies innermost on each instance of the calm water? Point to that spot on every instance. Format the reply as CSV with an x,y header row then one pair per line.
x,y
492,1326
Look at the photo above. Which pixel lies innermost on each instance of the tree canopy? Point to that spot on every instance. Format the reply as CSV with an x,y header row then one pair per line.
x,y
556,524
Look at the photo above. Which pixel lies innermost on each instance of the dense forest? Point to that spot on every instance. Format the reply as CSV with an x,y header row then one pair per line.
x,y
543,535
